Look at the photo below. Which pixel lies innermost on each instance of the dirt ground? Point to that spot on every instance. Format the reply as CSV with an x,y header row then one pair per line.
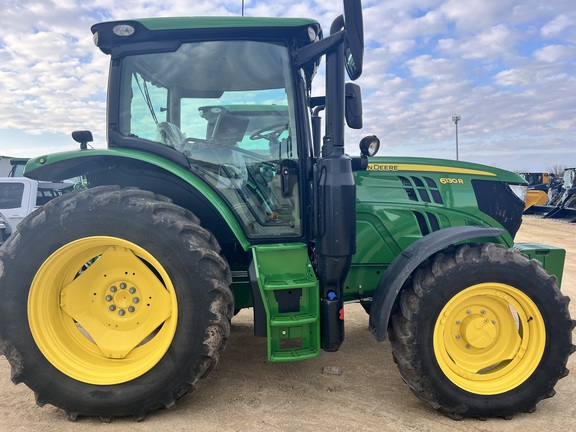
x,y
247,393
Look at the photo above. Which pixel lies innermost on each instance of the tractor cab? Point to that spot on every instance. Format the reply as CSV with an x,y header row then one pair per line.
x,y
226,109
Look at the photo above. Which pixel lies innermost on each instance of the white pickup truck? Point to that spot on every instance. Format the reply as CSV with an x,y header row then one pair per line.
x,y
20,196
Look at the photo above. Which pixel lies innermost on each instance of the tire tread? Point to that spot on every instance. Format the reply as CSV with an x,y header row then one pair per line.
x,y
405,326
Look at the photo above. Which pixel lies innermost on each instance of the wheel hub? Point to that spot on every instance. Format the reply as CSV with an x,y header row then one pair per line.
x,y
112,323
479,332
121,299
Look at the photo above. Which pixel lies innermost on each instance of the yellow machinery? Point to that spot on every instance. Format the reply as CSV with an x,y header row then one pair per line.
x,y
538,184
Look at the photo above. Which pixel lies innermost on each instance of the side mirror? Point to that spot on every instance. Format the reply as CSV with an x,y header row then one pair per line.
x,y
354,44
82,137
353,106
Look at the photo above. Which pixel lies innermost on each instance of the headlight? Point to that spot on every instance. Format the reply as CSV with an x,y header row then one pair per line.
x,y
520,191
123,30
369,145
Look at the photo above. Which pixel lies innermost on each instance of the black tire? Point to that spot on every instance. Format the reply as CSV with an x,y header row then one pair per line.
x,y
571,204
171,262
455,315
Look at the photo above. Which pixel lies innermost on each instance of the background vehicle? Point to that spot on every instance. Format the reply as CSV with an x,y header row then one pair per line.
x,y
5,166
20,196
17,166
561,201
566,201
118,299
538,185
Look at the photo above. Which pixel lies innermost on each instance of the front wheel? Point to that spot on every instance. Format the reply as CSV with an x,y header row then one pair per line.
x,y
115,302
482,332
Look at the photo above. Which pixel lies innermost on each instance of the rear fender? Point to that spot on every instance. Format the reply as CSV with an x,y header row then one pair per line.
x,y
126,167
407,261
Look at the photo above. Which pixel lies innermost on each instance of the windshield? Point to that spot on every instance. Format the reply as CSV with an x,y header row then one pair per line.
x,y
228,107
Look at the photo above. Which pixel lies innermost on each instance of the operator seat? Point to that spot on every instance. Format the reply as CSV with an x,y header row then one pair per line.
x,y
169,134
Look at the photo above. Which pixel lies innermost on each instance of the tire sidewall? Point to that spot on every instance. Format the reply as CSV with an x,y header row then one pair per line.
x,y
525,279
180,261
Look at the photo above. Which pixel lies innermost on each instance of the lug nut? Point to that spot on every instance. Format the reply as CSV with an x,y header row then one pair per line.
x,y
135,299
113,288
122,285
131,309
132,290
112,308
121,312
108,297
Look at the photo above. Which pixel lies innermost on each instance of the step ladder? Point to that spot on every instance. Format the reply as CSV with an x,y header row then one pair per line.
x,y
290,293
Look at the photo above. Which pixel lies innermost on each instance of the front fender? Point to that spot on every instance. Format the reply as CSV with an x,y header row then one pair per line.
x,y
64,165
407,261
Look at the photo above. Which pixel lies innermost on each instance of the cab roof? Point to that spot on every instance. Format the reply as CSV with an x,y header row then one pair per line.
x,y
218,22
108,35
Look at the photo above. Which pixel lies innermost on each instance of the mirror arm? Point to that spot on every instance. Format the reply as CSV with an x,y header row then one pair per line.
x,y
313,51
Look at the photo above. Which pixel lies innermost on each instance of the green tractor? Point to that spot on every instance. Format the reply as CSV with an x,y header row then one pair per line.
x,y
221,189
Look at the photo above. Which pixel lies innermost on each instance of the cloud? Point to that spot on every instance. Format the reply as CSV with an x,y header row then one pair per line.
x,y
474,15
558,25
434,69
555,54
497,41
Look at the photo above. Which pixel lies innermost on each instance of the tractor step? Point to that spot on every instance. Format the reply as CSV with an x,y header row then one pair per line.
x,y
290,293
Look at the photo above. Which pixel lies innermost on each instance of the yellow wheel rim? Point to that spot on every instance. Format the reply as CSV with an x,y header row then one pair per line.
x,y
102,310
489,338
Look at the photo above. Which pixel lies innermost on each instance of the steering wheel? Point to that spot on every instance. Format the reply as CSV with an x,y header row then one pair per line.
x,y
273,132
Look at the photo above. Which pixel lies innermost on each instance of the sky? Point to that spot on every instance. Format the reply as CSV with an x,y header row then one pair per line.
x,y
506,67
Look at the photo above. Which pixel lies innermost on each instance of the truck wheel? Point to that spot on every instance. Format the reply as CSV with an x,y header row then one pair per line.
x,y
482,332
115,302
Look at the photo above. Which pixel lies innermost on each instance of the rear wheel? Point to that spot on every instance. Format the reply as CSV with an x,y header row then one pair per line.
x,y
482,332
115,302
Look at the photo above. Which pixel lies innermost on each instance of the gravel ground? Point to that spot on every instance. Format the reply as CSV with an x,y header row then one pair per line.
x,y
247,393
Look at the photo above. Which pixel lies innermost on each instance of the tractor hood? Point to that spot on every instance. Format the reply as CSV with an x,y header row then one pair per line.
x,y
439,193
